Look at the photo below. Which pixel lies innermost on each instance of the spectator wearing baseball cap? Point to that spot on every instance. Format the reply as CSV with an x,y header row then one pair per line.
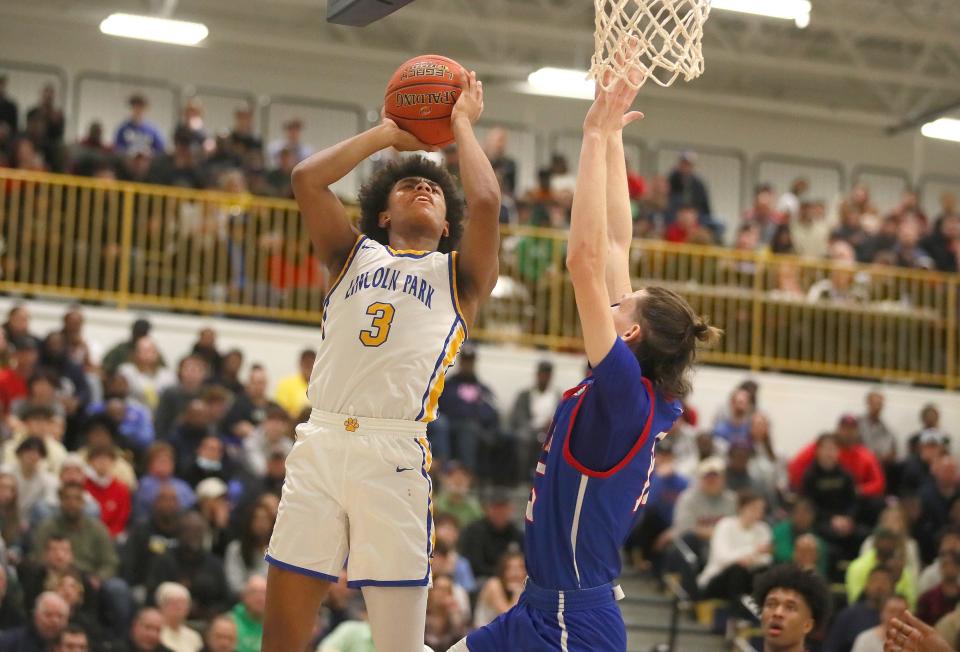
x,y
856,458
929,446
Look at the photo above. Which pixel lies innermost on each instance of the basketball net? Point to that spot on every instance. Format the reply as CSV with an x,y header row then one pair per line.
x,y
636,40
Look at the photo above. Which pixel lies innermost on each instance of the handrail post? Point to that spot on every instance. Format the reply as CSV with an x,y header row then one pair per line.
x,y
556,289
952,335
756,321
126,249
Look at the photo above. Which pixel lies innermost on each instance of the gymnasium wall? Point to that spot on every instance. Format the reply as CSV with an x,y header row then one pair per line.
x,y
230,69
800,407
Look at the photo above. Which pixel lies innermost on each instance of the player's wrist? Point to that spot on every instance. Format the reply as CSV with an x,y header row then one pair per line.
x,y
461,121
384,134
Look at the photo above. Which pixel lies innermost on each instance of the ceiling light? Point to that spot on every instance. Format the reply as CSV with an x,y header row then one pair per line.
x,y
560,82
148,28
944,129
796,10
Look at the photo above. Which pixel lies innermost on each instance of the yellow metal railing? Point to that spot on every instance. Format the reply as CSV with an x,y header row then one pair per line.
x,y
215,253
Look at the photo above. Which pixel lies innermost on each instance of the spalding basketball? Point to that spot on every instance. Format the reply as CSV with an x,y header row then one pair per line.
x,y
421,95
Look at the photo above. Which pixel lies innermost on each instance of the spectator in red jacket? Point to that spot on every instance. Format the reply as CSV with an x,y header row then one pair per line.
x,y
856,458
113,495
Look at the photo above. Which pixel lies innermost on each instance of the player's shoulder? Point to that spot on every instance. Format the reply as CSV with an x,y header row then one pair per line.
x,y
666,410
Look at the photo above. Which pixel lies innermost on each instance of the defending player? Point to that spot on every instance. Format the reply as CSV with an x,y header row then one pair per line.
x,y
393,321
594,473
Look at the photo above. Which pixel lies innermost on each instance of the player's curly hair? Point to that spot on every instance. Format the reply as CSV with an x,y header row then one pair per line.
x,y
375,193
808,584
671,331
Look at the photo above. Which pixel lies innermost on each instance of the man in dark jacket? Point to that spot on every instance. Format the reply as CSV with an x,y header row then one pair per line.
x,y
831,488
41,634
191,565
468,407
484,542
145,633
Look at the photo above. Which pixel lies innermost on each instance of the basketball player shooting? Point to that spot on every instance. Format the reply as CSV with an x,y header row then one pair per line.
x,y
593,476
397,313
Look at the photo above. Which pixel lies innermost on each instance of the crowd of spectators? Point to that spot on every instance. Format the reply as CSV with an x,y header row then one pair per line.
x,y
676,207
195,156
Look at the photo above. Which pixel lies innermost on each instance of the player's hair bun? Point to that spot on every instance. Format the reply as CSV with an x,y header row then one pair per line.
x,y
706,333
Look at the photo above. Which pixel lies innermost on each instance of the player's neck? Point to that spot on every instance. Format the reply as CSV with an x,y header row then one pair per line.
x,y
412,242
770,647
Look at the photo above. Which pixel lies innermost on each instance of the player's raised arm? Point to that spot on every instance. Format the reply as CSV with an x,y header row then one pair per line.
x,y
478,262
588,254
619,220
330,229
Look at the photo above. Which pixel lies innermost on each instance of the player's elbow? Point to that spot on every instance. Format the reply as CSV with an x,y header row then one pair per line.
x,y
306,175
486,202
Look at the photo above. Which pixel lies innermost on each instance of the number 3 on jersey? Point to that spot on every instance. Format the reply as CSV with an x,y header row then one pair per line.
x,y
379,330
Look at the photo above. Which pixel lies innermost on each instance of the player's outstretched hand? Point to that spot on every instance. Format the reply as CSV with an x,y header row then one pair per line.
x,y
907,633
610,111
470,103
404,141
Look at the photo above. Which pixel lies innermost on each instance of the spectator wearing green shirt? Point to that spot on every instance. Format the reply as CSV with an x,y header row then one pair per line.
x,y
248,614
93,548
455,498
785,534
349,636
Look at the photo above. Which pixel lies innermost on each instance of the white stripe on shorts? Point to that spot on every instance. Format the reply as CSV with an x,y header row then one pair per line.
x,y
563,625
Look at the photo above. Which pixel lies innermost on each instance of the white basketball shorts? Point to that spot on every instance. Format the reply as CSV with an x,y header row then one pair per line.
x,y
357,492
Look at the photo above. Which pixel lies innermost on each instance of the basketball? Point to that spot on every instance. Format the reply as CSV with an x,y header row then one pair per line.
x,y
421,95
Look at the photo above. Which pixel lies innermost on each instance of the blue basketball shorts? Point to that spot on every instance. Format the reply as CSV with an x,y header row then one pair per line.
x,y
554,621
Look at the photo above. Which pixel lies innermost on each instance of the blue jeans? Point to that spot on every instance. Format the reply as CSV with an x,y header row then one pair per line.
x,y
454,439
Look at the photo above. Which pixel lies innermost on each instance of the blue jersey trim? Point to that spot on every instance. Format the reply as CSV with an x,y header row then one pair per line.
x,y
638,444
455,291
426,476
436,368
343,270
359,584
406,254
300,570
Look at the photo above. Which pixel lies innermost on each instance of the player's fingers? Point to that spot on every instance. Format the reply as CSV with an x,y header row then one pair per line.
x,y
631,117
912,621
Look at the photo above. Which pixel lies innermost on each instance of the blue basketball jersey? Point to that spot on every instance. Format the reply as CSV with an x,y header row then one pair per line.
x,y
578,518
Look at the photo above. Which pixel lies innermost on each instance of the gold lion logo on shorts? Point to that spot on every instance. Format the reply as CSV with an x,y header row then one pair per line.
x,y
351,425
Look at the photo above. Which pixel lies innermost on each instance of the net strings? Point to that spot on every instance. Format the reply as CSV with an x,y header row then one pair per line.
x,y
659,39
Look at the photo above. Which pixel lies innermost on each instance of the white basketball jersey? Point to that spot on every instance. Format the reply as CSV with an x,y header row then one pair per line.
x,y
391,328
